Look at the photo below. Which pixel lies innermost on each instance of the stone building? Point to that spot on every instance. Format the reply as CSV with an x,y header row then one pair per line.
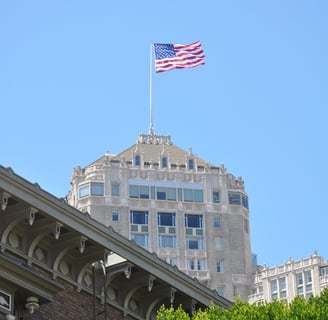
x,y
59,263
191,213
304,277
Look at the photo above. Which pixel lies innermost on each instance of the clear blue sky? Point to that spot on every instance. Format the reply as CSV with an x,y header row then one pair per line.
x,y
74,83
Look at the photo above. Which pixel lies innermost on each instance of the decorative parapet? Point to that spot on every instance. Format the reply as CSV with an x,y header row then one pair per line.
x,y
154,139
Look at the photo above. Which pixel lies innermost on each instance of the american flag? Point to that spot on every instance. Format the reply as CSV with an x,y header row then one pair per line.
x,y
178,56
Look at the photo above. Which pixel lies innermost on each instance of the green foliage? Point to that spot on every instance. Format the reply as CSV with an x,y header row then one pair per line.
x,y
316,308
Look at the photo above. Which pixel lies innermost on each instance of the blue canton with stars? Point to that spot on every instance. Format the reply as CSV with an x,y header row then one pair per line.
x,y
163,51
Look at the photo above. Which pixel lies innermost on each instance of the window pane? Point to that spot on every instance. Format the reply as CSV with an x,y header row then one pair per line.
x,y
139,217
134,192
217,222
166,219
140,239
234,198
216,197
164,162
193,221
144,192
187,195
137,160
84,190
171,194
115,190
167,241
192,244
161,193
115,215
244,201
97,189
198,195
190,164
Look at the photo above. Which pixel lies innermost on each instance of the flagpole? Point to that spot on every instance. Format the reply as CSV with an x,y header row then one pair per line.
x,y
151,129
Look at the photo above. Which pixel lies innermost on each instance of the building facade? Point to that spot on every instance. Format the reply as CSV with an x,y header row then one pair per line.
x,y
191,213
302,278
56,262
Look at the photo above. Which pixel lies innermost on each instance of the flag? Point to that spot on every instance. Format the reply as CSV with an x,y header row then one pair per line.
x,y
178,56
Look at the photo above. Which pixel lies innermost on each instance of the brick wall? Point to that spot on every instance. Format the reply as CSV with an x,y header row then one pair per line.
x,y
72,305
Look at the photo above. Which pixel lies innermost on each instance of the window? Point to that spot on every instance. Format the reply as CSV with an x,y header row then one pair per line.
x,y
190,264
196,243
115,190
173,261
97,189
141,239
234,198
161,193
137,160
198,195
221,291
134,191
324,271
220,266
115,215
217,222
164,162
171,194
274,289
193,221
166,219
144,192
167,241
216,196
138,217
191,164
218,244
187,195
201,264
84,190
244,201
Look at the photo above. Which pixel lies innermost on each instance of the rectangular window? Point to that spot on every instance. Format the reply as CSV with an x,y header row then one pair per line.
x,y
220,266
221,291
84,190
115,215
196,243
308,277
115,190
166,219
218,244
299,279
97,189
134,191
216,196
138,217
201,264
190,264
173,261
166,241
161,193
234,198
193,221
144,192
187,195
171,194
198,195
244,201
217,222
141,239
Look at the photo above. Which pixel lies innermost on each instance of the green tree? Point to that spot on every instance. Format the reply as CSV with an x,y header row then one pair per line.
x,y
315,308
